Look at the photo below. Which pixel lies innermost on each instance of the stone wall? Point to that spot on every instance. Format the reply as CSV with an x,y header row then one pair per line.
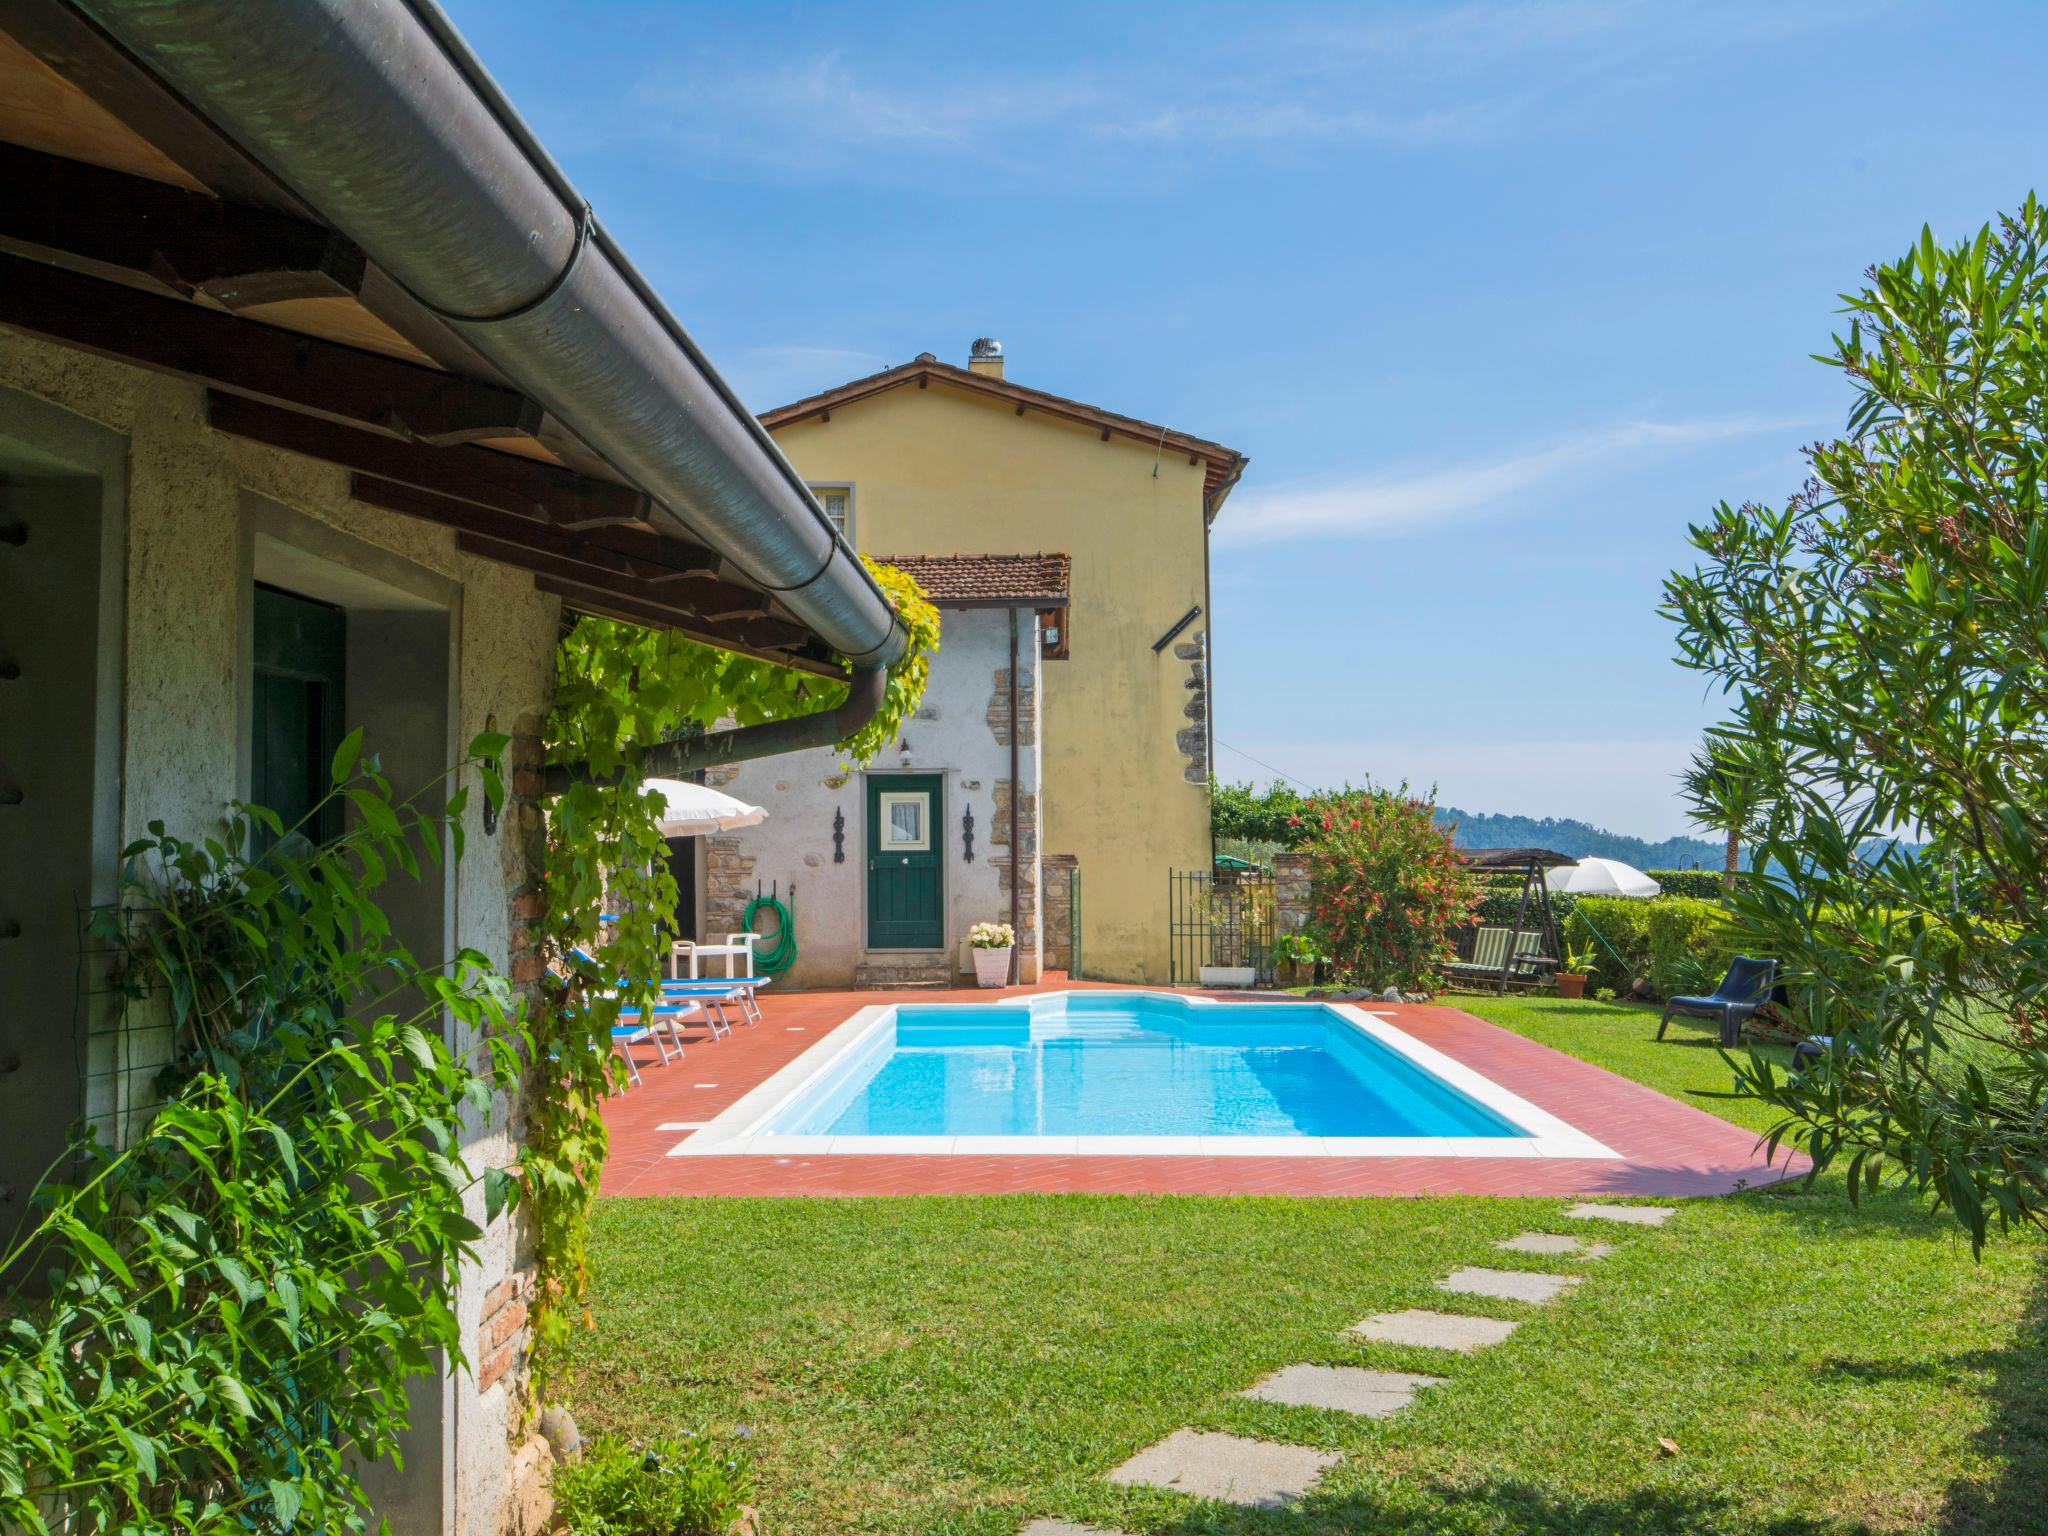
x,y
998,713
1290,892
728,886
1059,871
1193,738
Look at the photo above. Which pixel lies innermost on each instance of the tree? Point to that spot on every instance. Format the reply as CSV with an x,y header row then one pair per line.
x,y
1726,791
1881,639
1240,812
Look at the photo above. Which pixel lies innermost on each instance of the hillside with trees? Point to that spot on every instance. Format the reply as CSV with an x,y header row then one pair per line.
x,y
1259,820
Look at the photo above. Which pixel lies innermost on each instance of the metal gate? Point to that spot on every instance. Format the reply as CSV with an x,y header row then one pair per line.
x,y
1222,919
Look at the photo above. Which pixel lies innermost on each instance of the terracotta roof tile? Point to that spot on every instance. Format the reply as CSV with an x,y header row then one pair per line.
x,y
1028,579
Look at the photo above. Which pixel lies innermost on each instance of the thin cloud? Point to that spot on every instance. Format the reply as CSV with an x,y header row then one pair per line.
x,y
1275,83
1382,505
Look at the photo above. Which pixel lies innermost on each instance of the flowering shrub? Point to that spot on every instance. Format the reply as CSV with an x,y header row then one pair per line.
x,y
1387,885
992,936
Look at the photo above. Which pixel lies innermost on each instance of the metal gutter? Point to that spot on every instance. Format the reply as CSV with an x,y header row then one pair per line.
x,y
377,115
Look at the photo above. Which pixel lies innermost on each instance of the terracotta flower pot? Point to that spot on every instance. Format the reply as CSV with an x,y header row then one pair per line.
x,y
1570,986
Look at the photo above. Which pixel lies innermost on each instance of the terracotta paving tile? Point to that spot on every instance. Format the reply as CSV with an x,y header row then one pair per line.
x,y
1668,1149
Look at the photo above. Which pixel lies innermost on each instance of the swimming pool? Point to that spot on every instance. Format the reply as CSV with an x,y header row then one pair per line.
x,y
1131,1073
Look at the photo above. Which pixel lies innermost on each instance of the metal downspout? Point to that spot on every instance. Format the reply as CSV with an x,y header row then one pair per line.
x,y
1016,844
375,114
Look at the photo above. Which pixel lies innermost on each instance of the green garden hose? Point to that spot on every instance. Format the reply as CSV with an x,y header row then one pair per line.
x,y
781,955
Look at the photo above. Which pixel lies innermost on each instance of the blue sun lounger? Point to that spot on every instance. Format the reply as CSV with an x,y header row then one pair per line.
x,y
636,1026
713,993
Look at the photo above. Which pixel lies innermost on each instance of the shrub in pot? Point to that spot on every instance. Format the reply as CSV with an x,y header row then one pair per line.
x,y
1573,970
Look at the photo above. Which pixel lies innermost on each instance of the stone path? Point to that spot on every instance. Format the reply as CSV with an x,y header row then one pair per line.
x,y
1635,1215
1227,1467
1508,1284
1435,1330
1342,1388
1264,1474
1555,1243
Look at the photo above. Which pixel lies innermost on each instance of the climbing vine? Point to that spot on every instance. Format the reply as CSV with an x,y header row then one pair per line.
x,y
212,1324
619,688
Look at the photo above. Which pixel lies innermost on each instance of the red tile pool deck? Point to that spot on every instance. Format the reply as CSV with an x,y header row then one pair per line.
x,y
1667,1148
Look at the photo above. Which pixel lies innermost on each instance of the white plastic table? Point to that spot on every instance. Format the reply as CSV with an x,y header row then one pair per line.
x,y
735,945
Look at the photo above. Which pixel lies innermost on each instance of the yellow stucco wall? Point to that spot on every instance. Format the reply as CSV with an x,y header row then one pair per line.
x,y
942,471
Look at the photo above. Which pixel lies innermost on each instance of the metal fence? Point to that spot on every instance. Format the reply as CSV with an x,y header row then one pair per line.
x,y
1221,919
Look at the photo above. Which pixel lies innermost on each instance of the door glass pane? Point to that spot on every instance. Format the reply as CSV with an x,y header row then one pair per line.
x,y
906,823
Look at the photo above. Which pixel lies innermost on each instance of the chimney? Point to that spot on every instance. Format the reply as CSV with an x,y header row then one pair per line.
x,y
986,356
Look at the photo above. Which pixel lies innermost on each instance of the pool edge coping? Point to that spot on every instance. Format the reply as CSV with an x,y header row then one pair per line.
x,y
730,1133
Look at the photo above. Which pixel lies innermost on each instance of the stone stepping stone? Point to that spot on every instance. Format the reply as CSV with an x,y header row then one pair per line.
x,y
1508,1284
1637,1215
1257,1473
1066,1528
1555,1243
1344,1388
1435,1330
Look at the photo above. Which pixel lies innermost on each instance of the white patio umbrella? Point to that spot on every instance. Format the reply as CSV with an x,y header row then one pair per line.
x,y
1601,877
695,809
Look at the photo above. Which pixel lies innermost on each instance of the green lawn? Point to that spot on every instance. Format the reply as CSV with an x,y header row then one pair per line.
x,y
958,1366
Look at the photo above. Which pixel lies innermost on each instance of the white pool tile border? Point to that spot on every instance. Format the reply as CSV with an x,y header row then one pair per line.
x,y
733,1132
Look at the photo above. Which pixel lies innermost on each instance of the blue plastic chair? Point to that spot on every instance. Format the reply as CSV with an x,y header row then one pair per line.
x,y
1743,991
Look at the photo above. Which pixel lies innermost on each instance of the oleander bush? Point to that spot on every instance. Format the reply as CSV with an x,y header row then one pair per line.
x,y
1387,887
1878,639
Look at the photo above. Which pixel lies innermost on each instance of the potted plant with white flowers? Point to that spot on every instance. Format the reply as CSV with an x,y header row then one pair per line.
x,y
992,943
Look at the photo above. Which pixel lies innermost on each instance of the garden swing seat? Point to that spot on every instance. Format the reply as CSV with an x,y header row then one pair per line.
x,y
1489,957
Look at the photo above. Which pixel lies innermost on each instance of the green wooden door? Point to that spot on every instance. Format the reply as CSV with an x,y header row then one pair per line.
x,y
906,895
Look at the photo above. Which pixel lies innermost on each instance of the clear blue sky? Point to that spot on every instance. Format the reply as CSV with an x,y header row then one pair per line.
x,y
1496,296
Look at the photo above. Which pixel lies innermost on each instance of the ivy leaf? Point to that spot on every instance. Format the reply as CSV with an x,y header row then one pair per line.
x,y
98,1247
233,1395
417,1045
501,1188
141,1449
237,1276
345,756
285,1500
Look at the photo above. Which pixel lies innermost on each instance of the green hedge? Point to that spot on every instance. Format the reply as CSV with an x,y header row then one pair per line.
x,y
1623,922
1700,884
1690,945
1498,907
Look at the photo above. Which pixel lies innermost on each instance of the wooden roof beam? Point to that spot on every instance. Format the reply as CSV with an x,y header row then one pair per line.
x,y
712,601
59,35
521,487
262,362
186,241
636,552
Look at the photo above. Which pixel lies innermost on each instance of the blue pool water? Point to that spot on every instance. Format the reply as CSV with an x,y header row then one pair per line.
x,y
1119,1064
